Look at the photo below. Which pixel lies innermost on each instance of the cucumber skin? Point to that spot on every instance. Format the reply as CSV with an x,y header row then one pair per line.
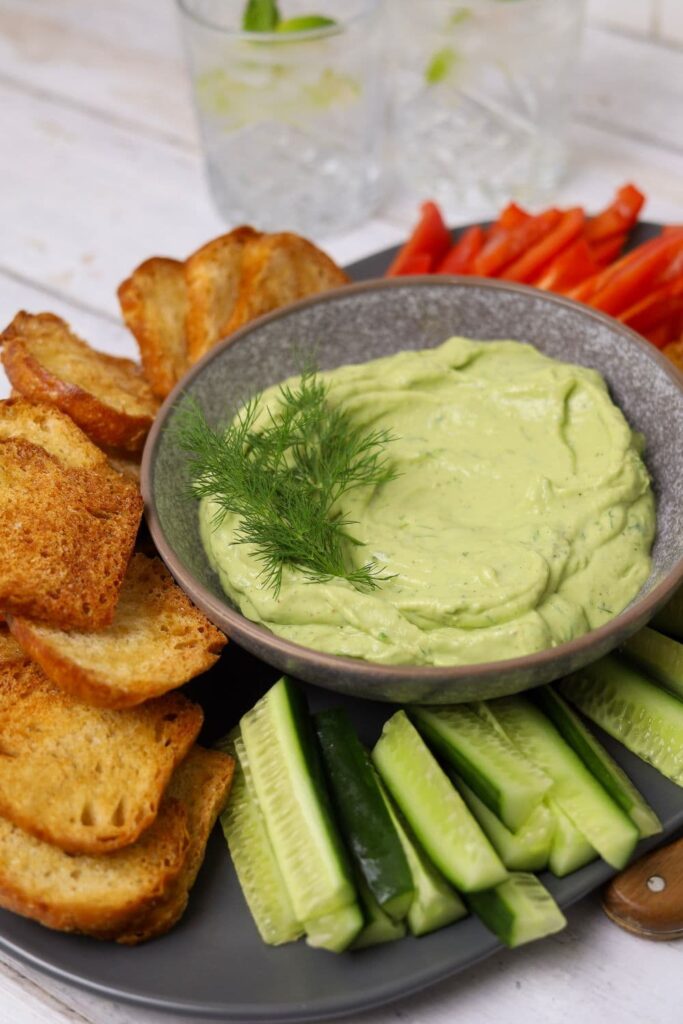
x,y
569,850
481,783
301,737
467,870
503,910
363,815
660,658
510,846
436,902
610,776
649,720
614,839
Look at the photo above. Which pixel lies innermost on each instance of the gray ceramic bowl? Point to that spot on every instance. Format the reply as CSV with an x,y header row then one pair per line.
x,y
365,321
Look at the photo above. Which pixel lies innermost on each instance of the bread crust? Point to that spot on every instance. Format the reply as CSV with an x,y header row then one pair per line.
x,y
279,269
213,278
156,642
65,777
153,303
202,784
95,909
46,362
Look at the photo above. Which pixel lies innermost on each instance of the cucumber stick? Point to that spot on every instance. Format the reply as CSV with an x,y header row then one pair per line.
x,y
569,850
627,705
378,926
257,869
577,792
493,768
291,791
669,619
528,849
608,773
660,658
365,822
435,903
518,910
434,809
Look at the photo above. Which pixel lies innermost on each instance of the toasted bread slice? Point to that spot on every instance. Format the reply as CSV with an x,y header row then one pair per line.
x,y
97,896
108,397
157,641
127,465
68,521
88,780
201,784
10,651
277,270
153,302
213,275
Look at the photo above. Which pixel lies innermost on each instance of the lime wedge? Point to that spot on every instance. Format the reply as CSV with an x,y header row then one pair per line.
x,y
260,16
305,23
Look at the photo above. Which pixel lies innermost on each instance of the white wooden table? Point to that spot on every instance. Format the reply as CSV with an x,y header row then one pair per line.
x,y
99,168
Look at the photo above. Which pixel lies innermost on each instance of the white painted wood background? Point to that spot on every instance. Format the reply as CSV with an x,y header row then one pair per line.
x,y
99,168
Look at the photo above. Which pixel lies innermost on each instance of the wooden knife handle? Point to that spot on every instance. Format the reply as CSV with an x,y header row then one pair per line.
x,y
647,898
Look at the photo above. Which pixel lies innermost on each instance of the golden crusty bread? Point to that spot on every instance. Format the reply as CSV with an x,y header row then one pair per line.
x,y
213,277
127,465
99,896
68,521
108,397
201,784
10,651
86,779
153,302
277,270
157,641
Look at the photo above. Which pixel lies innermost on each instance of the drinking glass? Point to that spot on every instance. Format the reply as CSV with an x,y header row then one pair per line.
x,y
482,95
292,122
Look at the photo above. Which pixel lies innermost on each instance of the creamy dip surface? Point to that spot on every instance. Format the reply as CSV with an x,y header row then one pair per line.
x,y
522,515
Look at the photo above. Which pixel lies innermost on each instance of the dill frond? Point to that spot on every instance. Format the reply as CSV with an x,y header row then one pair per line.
x,y
285,480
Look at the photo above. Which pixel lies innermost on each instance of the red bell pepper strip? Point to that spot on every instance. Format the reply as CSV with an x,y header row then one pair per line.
x,y
511,217
460,258
587,289
671,229
539,255
430,237
618,217
658,336
607,250
419,263
503,247
631,276
659,306
571,266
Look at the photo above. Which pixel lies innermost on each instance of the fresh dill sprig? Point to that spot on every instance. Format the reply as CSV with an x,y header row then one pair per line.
x,y
285,479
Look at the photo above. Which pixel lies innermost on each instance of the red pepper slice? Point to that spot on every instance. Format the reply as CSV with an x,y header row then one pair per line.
x,y
461,257
657,307
505,246
539,255
573,265
419,263
629,278
618,217
430,237
511,217
608,249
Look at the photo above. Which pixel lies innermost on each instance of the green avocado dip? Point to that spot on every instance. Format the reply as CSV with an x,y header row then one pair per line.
x,y
521,514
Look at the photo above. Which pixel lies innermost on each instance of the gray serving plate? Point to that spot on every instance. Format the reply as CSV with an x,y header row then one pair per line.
x,y
213,964
367,320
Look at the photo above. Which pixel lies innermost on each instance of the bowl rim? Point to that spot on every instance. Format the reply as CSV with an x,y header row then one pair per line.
x,y
222,614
